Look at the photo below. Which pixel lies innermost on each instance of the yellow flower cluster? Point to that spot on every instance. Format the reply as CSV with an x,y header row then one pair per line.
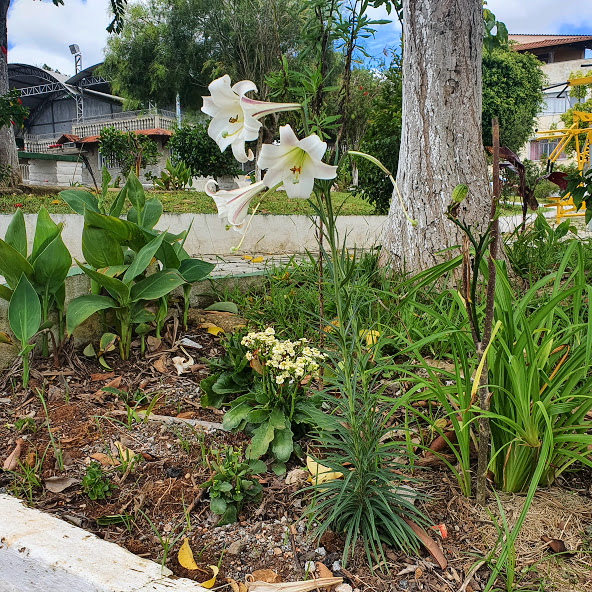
x,y
287,360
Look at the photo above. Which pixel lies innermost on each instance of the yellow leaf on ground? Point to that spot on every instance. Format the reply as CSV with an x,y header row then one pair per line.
x,y
214,330
185,556
247,257
55,201
209,583
104,459
256,260
319,473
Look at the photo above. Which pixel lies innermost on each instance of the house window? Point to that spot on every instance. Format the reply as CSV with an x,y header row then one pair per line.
x,y
110,163
543,149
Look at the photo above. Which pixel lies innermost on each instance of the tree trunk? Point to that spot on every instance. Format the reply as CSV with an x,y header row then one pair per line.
x,y
8,152
441,143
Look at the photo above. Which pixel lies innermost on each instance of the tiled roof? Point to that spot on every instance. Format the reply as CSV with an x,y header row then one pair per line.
x,y
155,131
67,138
554,41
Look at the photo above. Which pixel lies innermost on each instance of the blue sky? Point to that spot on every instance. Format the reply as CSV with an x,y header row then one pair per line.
x,y
39,32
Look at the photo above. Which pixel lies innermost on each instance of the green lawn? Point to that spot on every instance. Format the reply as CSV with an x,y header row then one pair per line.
x,y
194,202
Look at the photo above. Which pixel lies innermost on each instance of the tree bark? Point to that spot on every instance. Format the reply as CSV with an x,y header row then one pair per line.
x,y
441,143
8,152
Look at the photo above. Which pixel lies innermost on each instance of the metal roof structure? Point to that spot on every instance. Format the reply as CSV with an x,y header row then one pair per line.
x,y
39,87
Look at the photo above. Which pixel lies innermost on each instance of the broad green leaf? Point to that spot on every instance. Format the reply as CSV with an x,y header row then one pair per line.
x,y
83,307
115,287
257,466
105,180
262,438
235,415
119,202
13,265
156,285
282,445
52,265
113,270
229,517
16,233
277,419
194,270
259,416
142,259
78,200
140,314
210,398
149,216
167,256
24,311
218,505
45,231
5,292
122,230
100,248
135,192
181,253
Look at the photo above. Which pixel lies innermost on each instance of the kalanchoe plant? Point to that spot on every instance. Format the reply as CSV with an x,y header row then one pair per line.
x,y
233,484
230,375
279,402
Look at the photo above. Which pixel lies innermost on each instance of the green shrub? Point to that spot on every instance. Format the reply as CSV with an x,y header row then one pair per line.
x,y
196,149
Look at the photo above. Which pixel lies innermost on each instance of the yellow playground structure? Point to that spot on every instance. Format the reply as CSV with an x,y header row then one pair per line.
x,y
581,134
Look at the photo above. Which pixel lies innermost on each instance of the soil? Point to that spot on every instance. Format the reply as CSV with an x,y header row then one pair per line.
x,y
159,495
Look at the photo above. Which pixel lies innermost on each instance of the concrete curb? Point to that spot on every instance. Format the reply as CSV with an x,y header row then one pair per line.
x,y
39,552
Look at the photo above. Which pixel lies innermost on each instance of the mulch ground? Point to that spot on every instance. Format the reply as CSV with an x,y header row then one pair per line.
x,y
173,447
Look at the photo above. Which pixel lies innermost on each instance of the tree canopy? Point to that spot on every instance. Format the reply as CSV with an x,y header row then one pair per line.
x,y
512,91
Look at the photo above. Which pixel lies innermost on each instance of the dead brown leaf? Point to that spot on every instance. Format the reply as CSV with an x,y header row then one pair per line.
x,y
186,415
101,376
307,586
105,459
58,484
160,365
323,570
266,575
428,543
111,384
153,343
556,545
11,462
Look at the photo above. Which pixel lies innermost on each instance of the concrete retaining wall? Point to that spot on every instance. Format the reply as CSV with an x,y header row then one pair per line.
x,y
208,236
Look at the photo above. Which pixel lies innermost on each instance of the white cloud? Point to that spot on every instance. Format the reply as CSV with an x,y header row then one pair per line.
x,y
39,32
543,16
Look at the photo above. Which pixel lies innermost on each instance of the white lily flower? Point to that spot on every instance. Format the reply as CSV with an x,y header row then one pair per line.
x,y
234,203
296,163
236,116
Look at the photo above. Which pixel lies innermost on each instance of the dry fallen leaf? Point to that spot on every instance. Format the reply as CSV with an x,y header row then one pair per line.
x,y
181,365
111,384
125,454
58,484
236,586
11,463
323,570
104,459
153,343
556,545
266,575
159,365
186,415
256,365
319,473
210,583
293,586
101,376
428,543
185,556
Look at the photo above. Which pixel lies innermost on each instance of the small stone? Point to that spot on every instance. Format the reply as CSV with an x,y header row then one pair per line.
x,y
309,567
236,547
336,566
321,551
344,588
277,551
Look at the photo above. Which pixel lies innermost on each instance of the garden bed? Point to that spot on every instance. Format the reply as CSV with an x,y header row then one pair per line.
x,y
89,415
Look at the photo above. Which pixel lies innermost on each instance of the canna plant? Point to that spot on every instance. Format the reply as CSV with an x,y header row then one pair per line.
x,y
24,318
45,268
129,289
120,256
